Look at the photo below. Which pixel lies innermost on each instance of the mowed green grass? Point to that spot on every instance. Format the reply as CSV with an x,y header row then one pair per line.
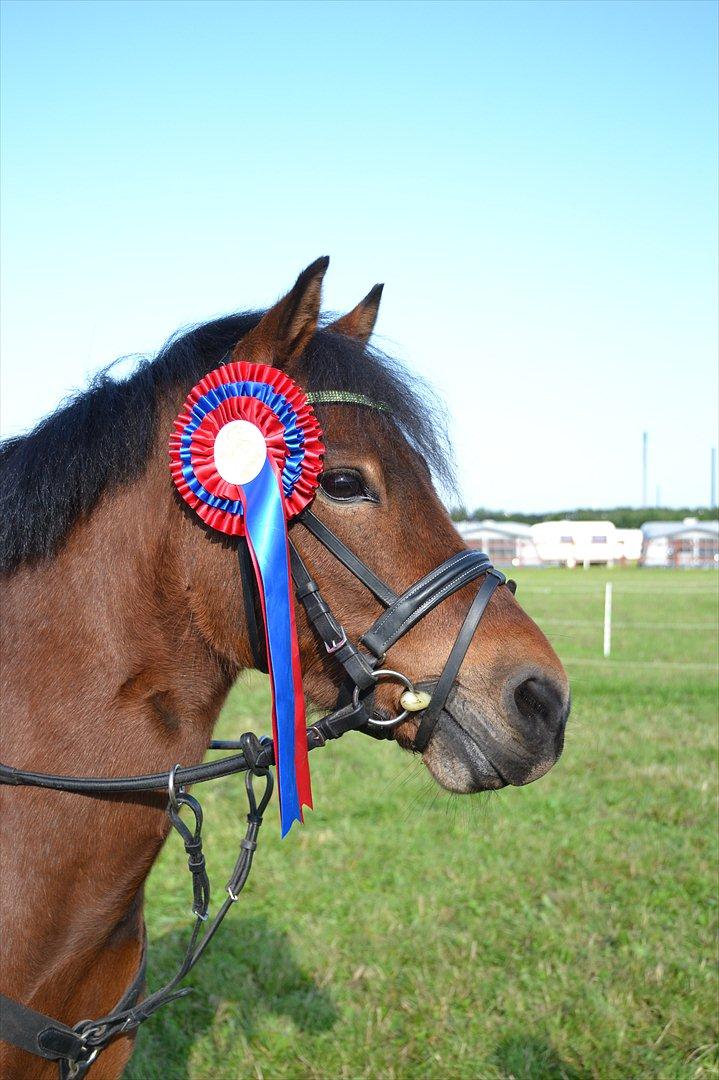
x,y
565,929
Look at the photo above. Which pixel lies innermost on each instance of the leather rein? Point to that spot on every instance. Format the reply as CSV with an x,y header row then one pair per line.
x,y
76,1048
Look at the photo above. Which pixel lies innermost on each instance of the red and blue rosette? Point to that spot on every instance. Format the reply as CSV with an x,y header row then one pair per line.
x,y
246,455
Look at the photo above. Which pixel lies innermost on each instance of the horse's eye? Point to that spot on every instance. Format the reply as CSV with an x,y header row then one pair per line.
x,y
345,485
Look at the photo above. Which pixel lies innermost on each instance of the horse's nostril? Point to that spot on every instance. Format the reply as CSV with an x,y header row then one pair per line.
x,y
540,702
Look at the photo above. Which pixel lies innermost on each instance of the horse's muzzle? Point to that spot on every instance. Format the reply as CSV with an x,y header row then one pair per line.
x,y
488,745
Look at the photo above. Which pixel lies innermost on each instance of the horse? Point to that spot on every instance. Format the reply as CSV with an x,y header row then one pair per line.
x,y
124,627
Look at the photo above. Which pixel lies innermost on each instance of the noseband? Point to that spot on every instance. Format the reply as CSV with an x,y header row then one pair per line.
x,y
76,1048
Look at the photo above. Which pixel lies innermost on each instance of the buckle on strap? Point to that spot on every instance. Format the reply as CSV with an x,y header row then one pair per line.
x,y
334,646
78,1066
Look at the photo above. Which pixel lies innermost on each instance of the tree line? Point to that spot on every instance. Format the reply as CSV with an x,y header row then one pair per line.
x,y
623,517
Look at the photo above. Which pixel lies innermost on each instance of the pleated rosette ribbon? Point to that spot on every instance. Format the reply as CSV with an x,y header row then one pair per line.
x,y
246,454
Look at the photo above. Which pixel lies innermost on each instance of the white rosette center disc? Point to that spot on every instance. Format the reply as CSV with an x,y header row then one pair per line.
x,y
240,452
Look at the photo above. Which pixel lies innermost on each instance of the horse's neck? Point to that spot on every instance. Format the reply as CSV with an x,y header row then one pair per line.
x,y
104,672
104,646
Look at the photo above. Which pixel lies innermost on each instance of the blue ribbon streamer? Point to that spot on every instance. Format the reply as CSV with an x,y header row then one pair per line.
x,y
266,531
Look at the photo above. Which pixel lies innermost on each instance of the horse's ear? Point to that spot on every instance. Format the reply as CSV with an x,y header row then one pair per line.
x,y
359,322
284,331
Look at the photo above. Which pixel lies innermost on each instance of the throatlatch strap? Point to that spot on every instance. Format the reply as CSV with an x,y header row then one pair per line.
x,y
430,716
249,596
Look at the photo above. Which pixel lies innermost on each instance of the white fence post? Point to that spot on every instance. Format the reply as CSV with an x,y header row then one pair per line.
x,y
607,618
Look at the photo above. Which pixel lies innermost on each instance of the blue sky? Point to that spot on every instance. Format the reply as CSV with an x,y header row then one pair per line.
x,y
535,183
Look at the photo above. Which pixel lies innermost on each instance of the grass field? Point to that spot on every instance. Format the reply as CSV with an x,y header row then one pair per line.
x,y
565,929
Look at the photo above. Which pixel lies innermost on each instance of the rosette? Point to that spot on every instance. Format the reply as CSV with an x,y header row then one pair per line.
x,y
246,455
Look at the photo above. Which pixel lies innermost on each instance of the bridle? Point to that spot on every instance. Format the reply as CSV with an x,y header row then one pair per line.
x,y
76,1048
364,666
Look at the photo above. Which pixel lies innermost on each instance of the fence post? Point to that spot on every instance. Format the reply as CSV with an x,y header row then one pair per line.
x,y
607,619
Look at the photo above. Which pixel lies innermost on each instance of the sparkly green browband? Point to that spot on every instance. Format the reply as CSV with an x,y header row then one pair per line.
x,y
343,397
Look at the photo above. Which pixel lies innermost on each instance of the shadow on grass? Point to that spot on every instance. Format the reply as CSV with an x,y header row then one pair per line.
x,y
242,978
527,1057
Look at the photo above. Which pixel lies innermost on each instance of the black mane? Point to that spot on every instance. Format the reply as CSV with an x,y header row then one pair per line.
x,y
102,437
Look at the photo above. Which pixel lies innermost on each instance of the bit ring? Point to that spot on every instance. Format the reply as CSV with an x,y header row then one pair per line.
x,y
387,673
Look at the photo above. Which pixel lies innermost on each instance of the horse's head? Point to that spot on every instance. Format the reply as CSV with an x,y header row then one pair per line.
x,y
504,720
